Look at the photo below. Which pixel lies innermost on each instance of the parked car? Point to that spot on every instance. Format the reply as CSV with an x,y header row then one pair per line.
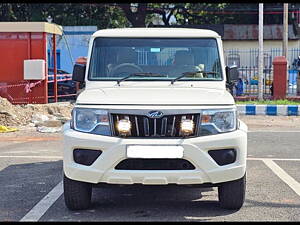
x,y
64,87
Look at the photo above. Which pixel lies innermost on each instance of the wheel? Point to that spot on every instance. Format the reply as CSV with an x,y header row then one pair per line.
x,y
125,69
77,194
232,193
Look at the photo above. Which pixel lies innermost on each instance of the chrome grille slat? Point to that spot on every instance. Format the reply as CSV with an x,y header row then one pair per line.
x,y
146,126
164,124
137,126
154,129
197,127
173,126
111,122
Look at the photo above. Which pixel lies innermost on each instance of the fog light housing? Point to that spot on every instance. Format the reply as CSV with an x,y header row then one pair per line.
x,y
86,156
223,156
187,127
124,127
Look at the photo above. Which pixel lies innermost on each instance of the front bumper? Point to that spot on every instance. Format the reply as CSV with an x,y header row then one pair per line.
x,y
195,150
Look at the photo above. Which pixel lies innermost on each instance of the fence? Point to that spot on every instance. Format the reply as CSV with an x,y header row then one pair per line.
x,y
248,85
247,62
66,88
249,58
24,92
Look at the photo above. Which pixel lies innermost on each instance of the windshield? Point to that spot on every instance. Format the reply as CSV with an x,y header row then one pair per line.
x,y
116,58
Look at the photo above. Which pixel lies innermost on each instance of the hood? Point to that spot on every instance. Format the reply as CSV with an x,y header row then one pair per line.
x,y
155,96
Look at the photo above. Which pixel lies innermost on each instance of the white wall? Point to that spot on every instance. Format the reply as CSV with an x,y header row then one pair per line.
x,y
248,51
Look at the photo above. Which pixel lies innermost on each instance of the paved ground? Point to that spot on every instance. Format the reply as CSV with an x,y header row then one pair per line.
x,y
31,174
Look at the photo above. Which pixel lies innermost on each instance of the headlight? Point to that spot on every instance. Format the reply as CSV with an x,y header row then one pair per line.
x,y
187,127
218,121
93,121
124,127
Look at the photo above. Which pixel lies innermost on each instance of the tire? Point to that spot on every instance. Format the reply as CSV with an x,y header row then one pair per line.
x,y
232,193
77,194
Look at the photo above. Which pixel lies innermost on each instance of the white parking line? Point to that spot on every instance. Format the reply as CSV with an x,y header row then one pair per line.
x,y
276,159
291,182
273,131
31,156
42,206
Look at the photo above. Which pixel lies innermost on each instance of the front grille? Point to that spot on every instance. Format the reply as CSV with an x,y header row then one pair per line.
x,y
155,164
167,126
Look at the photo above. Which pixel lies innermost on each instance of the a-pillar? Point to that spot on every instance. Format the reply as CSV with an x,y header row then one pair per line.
x,y
279,77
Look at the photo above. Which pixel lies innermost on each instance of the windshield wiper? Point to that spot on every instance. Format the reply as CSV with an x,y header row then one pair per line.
x,y
191,73
140,75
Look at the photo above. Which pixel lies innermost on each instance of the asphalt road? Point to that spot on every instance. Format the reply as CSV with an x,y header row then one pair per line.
x,y
31,174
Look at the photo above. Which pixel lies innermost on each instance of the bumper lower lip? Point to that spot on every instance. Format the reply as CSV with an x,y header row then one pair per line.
x,y
114,151
155,177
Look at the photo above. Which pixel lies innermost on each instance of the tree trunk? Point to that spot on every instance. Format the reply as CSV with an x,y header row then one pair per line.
x,y
137,19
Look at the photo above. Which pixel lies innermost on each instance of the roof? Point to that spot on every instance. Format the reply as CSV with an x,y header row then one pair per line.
x,y
79,30
156,32
31,27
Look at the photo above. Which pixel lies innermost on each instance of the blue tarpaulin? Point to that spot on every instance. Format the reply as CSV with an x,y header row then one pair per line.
x,y
293,77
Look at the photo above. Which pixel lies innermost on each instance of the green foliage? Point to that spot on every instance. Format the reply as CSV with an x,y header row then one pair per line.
x,y
201,13
112,15
65,14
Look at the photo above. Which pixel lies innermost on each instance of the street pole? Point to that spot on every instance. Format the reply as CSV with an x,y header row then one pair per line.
x,y
260,51
285,34
285,30
54,68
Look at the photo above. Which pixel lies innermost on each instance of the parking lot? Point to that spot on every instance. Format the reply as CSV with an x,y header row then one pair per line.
x,y
31,187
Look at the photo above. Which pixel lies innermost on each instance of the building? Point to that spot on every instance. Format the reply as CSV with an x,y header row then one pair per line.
x,y
24,76
71,45
240,42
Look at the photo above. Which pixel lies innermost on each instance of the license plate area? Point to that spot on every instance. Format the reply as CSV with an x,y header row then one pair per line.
x,y
154,151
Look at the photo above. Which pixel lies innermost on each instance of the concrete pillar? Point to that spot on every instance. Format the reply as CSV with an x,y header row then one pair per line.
x,y
279,77
298,84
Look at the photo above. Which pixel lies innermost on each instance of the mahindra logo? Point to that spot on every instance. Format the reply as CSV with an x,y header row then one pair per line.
x,y
155,114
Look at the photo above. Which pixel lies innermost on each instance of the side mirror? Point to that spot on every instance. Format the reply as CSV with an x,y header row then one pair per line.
x,y
78,73
232,73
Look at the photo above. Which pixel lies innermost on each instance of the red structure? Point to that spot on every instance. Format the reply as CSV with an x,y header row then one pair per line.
x,y
21,41
279,77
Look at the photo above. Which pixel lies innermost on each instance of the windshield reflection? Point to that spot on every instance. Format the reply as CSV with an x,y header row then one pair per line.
x,y
116,58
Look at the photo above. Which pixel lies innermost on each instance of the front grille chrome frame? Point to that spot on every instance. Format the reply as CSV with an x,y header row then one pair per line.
x,y
168,126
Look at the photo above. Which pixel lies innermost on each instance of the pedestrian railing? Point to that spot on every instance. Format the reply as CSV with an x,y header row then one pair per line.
x,y
249,80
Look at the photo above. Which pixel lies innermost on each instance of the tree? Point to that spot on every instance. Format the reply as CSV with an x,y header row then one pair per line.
x,y
65,14
6,12
185,13
112,15
136,14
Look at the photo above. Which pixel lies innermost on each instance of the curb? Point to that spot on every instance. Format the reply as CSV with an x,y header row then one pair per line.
x,y
271,110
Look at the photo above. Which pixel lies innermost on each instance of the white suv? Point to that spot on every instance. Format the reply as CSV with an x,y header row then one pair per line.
x,y
155,111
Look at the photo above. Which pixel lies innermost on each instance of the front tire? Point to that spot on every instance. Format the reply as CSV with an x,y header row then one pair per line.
x,y
77,194
232,193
